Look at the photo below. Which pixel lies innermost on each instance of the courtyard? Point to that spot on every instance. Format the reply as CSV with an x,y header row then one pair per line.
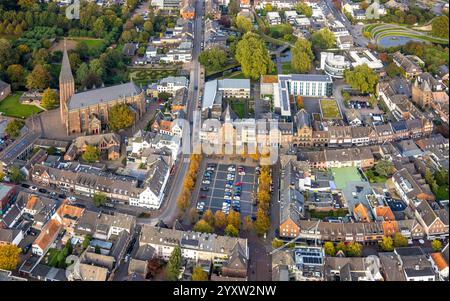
x,y
343,175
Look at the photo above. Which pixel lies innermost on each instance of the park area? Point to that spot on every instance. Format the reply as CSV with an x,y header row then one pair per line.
x,y
147,76
11,106
329,109
238,107
72,42
342,175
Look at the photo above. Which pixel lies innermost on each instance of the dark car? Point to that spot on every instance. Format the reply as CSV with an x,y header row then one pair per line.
x,y
62,196
204,189
25,185
26,249
42,190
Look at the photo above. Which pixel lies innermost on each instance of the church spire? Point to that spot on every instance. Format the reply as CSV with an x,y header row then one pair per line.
x,y
66,72
66,85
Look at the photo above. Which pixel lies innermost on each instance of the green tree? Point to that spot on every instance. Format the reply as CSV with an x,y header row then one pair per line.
x,y
8,55
86,241
198,274
387,244
329,248
276,243
253,56
15,175
400,240
13,128
439,27
203,226
91,154
16,75
38,79
361,78
233,8
262,223
436,245
49,99
303,9
340,247
99,199
230,230
213,59
243,24
174,264
302,56
120,117
353,249
323,39
220,219
9,257
384,168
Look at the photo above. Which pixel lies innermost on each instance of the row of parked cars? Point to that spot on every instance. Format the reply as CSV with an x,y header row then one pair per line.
x,y
207,177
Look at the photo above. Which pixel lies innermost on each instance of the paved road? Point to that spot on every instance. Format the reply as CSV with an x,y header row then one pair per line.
x,y
168,213
354,30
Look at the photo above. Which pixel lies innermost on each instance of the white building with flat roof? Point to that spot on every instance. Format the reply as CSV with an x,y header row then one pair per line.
x,y
364,56
273,18
333,65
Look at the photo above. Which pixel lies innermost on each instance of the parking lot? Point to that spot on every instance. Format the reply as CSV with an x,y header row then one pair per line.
x,y
223,192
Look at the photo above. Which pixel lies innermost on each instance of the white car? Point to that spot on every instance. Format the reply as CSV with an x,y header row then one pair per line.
x,y
206,182
237,198
34,188
231,168
227,197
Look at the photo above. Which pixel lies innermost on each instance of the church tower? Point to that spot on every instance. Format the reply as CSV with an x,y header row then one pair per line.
x,y
66,85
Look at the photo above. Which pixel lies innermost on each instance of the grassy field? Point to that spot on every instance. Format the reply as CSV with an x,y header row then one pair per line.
x,y
90,42
379,31
146,76
343,175
238,107
330,109
11,106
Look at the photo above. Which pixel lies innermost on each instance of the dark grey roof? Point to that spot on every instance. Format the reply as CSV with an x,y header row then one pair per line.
x,y
3,85
399,126
409,251
65,74
427,271
160,170
107,94
302,119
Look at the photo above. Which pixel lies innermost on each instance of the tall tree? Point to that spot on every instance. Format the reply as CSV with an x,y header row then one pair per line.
x,y
253,56
323,39
361,78
16,76
9,257
303,9
220,219
174,264
198,274
7,55
208,216
99,199
439,27
230,230
91,154
49,99
244,24
387,244
203,226
234,218
400,240
13,128
262,223
38,79
120,117
329,248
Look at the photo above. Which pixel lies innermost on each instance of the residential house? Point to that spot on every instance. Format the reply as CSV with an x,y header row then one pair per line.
x,y
434,222
5,90
410,67
291,211
411,190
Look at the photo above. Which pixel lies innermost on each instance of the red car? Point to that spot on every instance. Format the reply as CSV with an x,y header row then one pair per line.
x,y
238,184
203,196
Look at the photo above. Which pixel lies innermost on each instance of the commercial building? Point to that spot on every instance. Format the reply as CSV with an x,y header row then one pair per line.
x,y
333,65
364,56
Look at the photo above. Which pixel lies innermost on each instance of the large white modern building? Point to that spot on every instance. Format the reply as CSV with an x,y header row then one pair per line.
x,y
333,65
308,85
364,56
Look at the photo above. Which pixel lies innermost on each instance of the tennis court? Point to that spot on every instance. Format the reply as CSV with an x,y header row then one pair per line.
x,y
342,175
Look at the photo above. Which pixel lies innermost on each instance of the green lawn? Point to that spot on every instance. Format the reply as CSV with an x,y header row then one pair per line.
x,y
238,107
11,106
286,68
146,76
91,43
330,109
343,175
